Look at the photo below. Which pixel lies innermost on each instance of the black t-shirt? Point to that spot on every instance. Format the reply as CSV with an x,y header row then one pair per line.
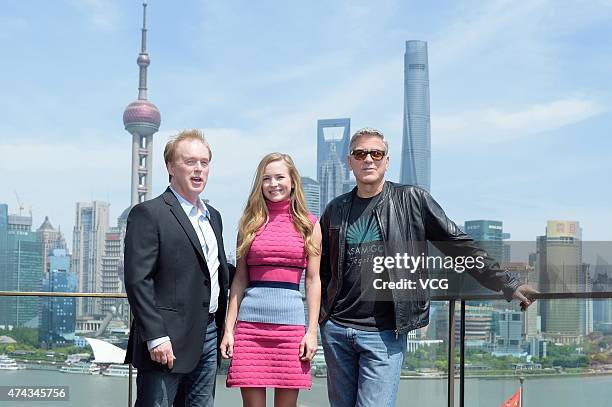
x,y
356,306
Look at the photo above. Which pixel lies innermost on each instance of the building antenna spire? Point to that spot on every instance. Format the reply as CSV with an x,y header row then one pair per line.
x,y
143,58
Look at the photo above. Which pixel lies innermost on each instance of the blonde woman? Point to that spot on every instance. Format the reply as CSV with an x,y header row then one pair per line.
x,y
265,333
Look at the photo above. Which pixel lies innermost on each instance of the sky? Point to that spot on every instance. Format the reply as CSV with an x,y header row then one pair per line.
x,y
521,108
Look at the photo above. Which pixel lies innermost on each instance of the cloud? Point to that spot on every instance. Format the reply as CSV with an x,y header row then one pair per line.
x,y
480,25
102,14
493,125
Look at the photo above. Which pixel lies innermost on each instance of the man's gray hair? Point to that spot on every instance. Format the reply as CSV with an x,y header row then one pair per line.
x,y
368,131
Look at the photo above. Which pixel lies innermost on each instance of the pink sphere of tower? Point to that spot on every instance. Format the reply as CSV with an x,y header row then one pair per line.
x,y
142,117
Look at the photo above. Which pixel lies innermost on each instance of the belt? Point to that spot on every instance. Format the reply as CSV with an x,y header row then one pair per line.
x,y
211,317
275,284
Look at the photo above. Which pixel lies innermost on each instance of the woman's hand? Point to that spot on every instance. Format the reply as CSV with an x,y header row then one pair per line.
x,y
308,346
227,345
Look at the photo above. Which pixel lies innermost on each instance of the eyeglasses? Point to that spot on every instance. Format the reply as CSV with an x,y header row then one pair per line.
x,y
361,155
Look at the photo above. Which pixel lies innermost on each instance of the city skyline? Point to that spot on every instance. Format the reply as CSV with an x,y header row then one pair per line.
x,y
522,107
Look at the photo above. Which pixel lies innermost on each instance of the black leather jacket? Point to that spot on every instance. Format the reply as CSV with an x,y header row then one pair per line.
x,y
407,217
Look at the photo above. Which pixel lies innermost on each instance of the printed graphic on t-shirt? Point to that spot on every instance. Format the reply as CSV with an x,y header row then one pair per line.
x,y
358,304
364,230
363,243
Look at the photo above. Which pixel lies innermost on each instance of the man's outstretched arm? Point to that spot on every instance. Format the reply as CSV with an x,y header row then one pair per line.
x,y
447,237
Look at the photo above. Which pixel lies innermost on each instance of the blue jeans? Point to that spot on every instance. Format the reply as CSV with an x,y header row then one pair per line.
x,y
363,367
156,388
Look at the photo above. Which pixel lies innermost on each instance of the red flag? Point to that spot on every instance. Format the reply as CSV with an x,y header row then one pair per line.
x,y
514,401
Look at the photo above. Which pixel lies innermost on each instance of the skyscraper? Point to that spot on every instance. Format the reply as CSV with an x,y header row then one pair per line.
x,y
20,269
509,330
3,242
559,264
58,315
311,193
416,141
602,308
90,227
142,119
333,136
50,239
111,282
488,234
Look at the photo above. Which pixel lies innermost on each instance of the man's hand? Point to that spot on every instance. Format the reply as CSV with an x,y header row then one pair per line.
x,y
523,294
163,354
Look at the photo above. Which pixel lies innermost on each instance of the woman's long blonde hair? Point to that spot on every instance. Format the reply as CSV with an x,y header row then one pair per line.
x,y
256,212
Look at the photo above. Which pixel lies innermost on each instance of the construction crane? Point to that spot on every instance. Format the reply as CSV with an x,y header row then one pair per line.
x,y
19,202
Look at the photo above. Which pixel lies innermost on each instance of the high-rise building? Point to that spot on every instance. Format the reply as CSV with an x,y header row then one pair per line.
x,y
488,234
416,141
509,332
478,325
90,228
19,223
3,242
333,137
507,249
527,274
142,119
20,269
58,314
602,308
311,194
560,269
50,239
111,260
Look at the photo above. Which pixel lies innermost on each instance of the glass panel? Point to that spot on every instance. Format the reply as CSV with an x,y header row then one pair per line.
x,y
59,348
562,356
558,262
424,380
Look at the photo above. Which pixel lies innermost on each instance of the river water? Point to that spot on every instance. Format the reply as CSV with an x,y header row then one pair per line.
x,y
102,391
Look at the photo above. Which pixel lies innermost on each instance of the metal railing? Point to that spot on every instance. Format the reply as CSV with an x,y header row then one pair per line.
x,y
77,295
452,342
452,300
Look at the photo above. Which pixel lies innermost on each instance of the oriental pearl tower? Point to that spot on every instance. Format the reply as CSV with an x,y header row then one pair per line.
x,y
141,119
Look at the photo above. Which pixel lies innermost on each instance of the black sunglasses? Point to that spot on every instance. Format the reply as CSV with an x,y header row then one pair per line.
x,y
361,155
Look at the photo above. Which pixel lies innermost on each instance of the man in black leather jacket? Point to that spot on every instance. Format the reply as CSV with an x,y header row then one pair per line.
x,y
371,298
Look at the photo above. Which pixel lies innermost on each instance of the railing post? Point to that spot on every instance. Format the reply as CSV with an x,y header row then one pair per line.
x,y
462,357
451,353
130,374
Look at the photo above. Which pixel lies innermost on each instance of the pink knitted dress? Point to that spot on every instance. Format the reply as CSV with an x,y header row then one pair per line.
x,y
271,318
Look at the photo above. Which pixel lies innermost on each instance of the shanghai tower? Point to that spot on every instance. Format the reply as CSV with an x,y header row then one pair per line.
x,y
416,141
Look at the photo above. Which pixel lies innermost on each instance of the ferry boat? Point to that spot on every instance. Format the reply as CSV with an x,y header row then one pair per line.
x,y
7,363
116,370
81,368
